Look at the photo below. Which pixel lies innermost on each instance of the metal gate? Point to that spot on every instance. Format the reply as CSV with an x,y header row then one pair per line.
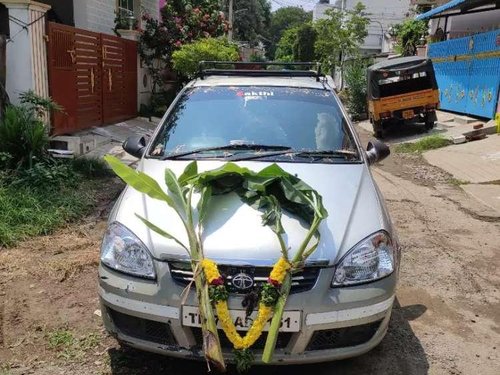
x,y
92,76
468,73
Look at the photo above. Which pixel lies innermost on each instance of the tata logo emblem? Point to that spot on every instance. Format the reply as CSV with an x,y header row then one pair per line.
x,y
242,281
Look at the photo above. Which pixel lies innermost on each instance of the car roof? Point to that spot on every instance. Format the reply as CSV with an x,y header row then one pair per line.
x,y
299,82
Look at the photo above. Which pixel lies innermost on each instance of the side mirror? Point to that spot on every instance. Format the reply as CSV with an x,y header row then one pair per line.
x,y
377,151
135,145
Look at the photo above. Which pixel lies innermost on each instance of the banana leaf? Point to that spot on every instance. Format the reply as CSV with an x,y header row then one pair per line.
x,y
270,190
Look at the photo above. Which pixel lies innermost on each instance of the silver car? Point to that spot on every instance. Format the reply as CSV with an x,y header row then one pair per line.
x,y
340,303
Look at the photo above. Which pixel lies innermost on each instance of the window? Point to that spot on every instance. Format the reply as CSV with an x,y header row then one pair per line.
x,y
126,8
303,119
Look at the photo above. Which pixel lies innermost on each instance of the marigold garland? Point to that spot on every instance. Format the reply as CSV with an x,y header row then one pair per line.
x,y
266,306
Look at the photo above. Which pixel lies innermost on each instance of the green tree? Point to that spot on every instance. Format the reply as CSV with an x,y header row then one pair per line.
x,y
284,48
339,35
252,19
408,35
303,49
297,44
283,19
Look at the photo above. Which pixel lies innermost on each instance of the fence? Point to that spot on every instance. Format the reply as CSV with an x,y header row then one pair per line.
x,y
468,73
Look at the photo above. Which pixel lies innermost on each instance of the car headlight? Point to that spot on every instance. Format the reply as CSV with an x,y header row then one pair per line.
x,y
371,259
122,251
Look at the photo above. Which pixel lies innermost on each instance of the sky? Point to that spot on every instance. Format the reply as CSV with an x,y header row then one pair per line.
x,y
306,4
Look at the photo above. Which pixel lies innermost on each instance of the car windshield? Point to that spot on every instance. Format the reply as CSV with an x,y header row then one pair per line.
x,y
276,118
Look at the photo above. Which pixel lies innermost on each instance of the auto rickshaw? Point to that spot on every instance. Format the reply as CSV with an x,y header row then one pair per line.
x,y
402,90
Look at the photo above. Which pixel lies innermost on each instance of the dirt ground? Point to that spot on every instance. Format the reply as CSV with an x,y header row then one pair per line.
x,y
446,319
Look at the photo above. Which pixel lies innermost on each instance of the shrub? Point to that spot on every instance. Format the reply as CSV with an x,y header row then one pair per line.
x,y
23,136
47,174
38,104
186,59
355,78
88,167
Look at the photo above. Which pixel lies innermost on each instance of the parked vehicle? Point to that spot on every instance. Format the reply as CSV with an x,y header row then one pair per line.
x,y
340,303
402,90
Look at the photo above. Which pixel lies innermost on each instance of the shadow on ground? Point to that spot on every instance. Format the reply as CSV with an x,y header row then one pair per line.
x,y
397,133
399,353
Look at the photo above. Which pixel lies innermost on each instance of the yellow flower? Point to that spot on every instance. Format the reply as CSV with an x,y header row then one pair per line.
x,y
258,325
210,269
227,325
264,313
281,267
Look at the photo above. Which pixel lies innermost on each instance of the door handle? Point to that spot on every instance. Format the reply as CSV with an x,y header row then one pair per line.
x,y
72,55
110,80
92,80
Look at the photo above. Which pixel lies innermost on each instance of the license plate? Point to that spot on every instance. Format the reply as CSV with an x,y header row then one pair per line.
x,y
289,323
408,114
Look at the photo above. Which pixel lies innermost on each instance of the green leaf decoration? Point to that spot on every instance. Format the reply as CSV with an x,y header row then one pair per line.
x,y
190,172
202,207
243,359
271,191
177,194
161,232
138,180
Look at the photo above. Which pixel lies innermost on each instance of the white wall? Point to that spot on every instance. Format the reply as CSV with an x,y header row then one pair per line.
x,y
95,15
99,15
152,7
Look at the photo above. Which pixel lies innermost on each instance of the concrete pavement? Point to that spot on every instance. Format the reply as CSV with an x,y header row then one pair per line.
x,y
475,163
109,139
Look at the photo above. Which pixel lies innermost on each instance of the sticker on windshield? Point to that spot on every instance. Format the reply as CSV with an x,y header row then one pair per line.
x,y
254,95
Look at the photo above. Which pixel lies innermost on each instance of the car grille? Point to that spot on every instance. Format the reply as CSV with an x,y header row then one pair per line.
x,y
301,281
143,329
342,337
281,343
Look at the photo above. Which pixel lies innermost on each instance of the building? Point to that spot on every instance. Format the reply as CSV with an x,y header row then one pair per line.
x,y
382,14
465,49
68,49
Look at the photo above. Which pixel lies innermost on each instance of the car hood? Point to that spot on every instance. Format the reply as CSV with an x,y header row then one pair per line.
x,y
234,233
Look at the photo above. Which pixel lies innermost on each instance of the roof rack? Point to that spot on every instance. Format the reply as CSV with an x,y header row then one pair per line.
x,y
220,68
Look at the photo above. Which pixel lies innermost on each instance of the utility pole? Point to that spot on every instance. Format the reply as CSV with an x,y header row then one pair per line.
x,y
230,19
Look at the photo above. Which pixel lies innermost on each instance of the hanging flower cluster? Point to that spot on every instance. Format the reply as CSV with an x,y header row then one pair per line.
x,y
269,296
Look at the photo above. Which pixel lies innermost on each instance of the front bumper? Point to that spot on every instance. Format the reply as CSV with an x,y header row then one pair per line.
x,y
337,323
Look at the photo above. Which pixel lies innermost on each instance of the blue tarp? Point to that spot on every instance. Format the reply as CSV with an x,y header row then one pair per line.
x,y
462,4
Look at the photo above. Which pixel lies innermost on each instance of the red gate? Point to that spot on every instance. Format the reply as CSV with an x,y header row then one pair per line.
x,y
93,76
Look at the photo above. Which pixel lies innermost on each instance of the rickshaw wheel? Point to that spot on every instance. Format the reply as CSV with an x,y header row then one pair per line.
x,y
378,129
429,125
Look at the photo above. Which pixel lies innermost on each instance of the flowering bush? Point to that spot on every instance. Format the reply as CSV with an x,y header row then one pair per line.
x,y
182,21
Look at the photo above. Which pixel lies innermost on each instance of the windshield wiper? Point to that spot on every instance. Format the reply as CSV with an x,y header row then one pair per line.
x,y
320,154
327,153
231,147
